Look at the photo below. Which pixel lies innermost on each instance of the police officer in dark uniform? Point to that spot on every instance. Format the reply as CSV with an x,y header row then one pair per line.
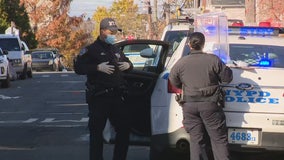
x,y
103,63
199,75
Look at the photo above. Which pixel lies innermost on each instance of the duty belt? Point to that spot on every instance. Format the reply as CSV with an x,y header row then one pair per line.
x,y
213,98
108,90
100,91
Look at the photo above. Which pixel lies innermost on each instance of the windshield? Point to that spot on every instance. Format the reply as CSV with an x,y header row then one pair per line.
x,y
10,44
42,55
174,38
254,55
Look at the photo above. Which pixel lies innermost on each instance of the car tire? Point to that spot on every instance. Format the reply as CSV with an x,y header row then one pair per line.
x,y
54,67
7,82
23,75
30,73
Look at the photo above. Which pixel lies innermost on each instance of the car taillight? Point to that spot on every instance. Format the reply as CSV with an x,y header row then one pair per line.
x,y
173,89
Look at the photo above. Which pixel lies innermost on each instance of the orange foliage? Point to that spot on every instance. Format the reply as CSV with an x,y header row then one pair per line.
x,y
271,11
54,28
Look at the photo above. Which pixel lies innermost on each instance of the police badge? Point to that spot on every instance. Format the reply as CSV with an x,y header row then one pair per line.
x,y
117,56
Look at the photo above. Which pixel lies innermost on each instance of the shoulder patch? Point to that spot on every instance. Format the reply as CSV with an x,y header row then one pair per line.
x,y
83,51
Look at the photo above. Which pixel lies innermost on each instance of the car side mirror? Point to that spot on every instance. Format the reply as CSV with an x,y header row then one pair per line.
x,y
22,48
147,53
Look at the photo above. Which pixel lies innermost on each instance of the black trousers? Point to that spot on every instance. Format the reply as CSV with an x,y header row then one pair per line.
x,y
200,117
102,108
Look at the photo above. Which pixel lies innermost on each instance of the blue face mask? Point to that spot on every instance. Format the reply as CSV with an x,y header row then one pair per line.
x,y
110,39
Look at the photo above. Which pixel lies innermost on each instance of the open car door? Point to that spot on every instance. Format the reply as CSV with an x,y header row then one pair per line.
x,y
148,58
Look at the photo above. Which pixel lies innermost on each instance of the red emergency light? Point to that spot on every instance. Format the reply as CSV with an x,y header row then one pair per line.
x,y
238,24
264,24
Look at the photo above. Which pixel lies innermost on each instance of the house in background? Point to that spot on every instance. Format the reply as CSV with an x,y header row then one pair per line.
x,y
252,12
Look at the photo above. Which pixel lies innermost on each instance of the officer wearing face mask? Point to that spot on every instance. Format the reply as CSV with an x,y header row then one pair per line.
x,y
106,90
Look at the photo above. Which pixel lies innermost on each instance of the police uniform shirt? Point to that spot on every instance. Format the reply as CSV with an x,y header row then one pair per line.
x,y
199,71
99,52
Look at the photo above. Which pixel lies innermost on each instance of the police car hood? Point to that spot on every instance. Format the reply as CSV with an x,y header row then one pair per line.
x,y
256,90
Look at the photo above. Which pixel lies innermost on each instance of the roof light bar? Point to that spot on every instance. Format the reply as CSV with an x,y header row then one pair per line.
x,y
262,31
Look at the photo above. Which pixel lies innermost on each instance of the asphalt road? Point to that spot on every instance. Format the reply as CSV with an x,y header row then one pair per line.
x,y
45,118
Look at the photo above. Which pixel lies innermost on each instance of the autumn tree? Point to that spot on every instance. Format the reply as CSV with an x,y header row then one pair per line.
x,y
126,14
271,11
100,13
55,29
13,10
3,17
46,14
38,13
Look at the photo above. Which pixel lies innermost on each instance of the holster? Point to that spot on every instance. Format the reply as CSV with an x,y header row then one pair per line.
x,y
179,99
92,91
123,89
218,97
221,97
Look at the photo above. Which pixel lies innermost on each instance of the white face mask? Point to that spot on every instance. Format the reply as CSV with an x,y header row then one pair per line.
x,y
110,39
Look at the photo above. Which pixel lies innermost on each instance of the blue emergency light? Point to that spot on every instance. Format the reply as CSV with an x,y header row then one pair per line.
x,y
265,63
211,30
260,31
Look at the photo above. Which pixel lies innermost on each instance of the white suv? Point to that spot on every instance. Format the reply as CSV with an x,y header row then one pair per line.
x,y
5,74
17,54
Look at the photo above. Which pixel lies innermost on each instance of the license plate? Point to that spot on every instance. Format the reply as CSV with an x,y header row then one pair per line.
x,y
243,136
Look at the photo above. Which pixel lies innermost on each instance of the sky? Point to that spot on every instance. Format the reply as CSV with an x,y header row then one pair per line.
x,y
79,7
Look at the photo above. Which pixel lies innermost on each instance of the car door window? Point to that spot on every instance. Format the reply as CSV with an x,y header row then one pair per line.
x,y
144,57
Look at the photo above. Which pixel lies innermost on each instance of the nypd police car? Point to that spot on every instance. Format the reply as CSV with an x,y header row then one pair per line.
x,y
254,99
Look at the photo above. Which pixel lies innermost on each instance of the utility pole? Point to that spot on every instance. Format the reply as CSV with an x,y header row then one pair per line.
x,y
250,7
150,29
155,10
167,11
